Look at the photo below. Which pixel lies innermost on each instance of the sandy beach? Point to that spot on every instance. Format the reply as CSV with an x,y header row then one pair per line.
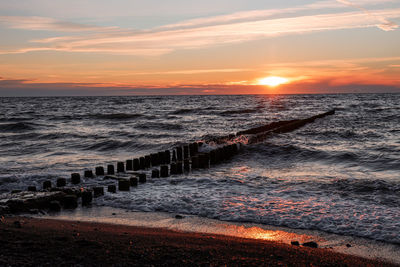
x,y
35,241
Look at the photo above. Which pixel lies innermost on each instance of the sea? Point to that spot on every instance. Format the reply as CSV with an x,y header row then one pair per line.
x,y
339,174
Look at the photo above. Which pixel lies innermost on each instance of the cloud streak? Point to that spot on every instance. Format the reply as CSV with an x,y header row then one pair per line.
x,y
385,25
203,32
48,24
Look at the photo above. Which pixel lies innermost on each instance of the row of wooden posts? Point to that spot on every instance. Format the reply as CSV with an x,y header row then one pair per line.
x,y
182,159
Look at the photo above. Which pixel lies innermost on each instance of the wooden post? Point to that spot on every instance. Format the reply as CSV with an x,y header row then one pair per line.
x,y
88,174
164,171
154,159
173,168
110,170
179,167
98,191
213,158
112,188
133,181
142,163
75,178
99,171
161,157
61,182
124,185
136,164
129,165
167,155
192,149
32,188
155,173
147,161
120,167
142,178
179,155
186,165
70,202
46,184
185,152
195,162
87,197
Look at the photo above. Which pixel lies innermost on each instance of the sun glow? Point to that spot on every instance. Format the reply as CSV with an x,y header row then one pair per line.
x,y
272,81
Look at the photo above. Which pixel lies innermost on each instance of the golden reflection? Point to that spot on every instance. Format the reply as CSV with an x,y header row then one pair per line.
x,y
259,233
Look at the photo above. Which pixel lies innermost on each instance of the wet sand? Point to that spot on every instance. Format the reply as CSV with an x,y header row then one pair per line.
x,y
36,241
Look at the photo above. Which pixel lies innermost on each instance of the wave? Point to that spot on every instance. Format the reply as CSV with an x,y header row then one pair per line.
x,y
239,111
183,111
109,145
15,119
159,126
117,116
294,153
17,127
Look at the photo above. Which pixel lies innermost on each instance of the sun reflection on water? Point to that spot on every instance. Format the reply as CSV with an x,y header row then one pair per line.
x,y
263,234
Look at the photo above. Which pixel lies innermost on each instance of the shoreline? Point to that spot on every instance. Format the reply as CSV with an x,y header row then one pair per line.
x,y
349,245
43,241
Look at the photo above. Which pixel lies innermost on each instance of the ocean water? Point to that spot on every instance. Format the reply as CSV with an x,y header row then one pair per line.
x,y
340,174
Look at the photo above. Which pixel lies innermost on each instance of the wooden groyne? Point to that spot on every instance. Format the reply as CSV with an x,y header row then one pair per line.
x,y
133,172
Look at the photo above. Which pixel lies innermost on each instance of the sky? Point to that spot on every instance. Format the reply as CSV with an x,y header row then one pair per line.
x,y
154,47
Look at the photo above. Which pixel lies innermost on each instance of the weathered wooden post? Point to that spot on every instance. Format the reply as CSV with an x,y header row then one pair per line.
x,y
186,165
213,158
110,169
70,202
167,155
88,174
120,167
98,191
136,164
205,160
195,162
142,163
179,167
164,171
124,185
129,165
173,168
87,197
75,178
161,157
142,178
185,152
155,173
191,149
32,188
61,182
133,181
147,161
154,159
99,171
179,155
46,184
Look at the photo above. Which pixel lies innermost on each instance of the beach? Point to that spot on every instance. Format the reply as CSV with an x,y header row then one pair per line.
x,y
34,241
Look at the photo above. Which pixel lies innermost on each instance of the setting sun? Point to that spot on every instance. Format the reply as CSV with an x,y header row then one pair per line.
x,y
272,81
